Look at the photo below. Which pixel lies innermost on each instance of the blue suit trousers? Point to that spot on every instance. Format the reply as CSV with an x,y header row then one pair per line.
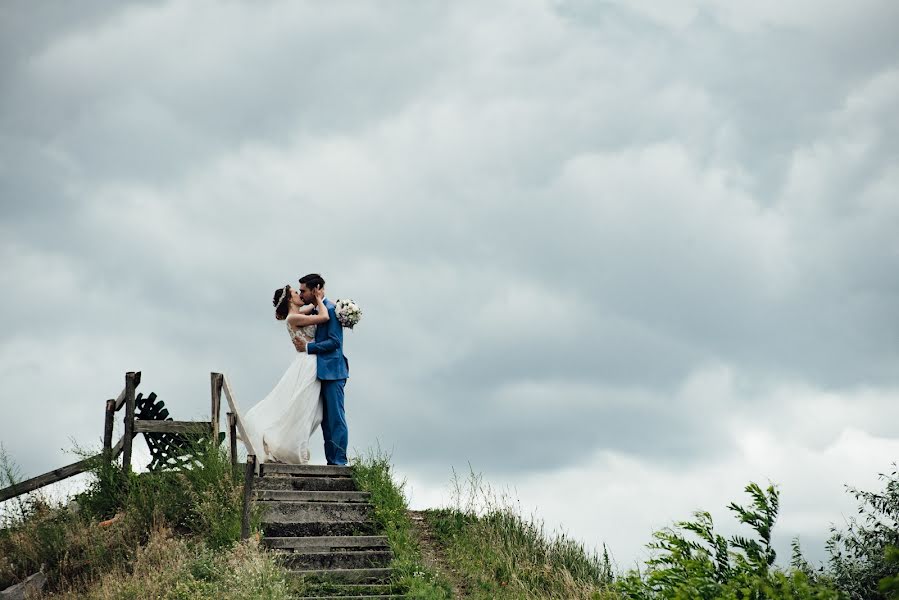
x,y
334,428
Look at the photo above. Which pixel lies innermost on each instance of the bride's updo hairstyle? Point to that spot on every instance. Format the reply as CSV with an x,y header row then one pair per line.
x,y
281,302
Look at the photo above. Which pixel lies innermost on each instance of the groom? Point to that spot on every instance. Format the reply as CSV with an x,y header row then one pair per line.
x,y
333,370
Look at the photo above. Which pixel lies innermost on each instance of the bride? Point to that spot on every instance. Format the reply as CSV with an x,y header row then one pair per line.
x,y
280,425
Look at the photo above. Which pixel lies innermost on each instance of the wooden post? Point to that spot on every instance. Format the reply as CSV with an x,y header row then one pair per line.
x,y
129,421
215,380
249,474
107,430
121,399
232,438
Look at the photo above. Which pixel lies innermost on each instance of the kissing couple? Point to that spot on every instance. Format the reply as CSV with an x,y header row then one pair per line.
x,y
310,393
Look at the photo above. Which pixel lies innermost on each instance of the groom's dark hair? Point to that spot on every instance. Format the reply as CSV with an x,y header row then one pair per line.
x,y
312,280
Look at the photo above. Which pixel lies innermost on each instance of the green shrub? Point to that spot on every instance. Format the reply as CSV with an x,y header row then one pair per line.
x,y
889,585
692,561
860,557
204,502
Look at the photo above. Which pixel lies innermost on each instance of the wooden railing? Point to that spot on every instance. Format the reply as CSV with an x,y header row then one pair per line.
x,y
235,421
133,426
110,452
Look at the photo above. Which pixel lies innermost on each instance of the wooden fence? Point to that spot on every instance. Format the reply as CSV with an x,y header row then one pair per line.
x,y
133,426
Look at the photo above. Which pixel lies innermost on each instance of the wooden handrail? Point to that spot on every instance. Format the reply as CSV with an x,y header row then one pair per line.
x,y
109,452
117,449
238,420
134,426
29,485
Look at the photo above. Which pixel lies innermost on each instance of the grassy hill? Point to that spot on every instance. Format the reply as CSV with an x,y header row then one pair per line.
x,y
176,535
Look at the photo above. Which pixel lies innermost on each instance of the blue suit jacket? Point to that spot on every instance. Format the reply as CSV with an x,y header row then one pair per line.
x,y
328,348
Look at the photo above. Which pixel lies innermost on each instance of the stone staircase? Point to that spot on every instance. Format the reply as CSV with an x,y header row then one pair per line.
x,y
320,524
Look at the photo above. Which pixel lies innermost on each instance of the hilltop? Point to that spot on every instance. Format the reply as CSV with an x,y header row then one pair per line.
x,y
177,534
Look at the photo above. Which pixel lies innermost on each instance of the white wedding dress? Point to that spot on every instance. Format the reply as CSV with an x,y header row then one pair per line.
x,y
279,427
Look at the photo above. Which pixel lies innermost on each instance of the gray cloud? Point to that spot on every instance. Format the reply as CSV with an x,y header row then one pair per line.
x,y
564,221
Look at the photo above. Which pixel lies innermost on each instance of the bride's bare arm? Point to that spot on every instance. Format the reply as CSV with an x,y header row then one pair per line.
x,y
306,309
301,320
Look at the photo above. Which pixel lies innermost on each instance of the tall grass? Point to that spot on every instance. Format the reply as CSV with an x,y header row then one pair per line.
x,y
372,473
75,543
38,533
204,500
180,568
504,554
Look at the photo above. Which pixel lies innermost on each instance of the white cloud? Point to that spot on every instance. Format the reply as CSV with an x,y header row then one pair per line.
x,y
640,243
619,499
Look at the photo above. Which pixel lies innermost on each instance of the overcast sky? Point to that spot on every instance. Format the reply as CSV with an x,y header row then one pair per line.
x,y
619,257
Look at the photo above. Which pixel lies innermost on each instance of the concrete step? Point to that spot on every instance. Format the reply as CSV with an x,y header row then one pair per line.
x,y
269,469
317,512
327,543
320,528
347,590
342,575
312,496
320,484
351,559
368,597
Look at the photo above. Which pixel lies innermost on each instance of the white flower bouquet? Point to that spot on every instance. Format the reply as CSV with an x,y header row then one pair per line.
x,y
348,313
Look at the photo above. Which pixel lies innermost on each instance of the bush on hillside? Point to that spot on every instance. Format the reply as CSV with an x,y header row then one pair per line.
x,y
693,561
74,543
861,556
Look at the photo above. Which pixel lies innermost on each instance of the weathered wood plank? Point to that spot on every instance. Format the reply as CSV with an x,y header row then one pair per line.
x,y
249,478
129,420
29,485
215,382
232,437
185,427
120,400
117,449
108,419
239,420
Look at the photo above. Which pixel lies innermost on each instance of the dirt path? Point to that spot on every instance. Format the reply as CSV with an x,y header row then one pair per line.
x,y
432,555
